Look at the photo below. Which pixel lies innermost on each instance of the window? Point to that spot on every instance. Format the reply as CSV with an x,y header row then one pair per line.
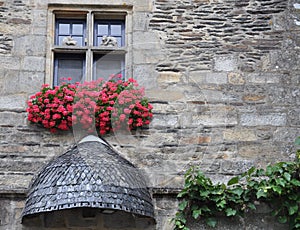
x,y
111,28
73,29
88,44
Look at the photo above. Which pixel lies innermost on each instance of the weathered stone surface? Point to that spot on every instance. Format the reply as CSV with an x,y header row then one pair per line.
x,y
164,95
201,77
225,63
254,119
12,118
238,135
223,77
169,77
34,64
236,78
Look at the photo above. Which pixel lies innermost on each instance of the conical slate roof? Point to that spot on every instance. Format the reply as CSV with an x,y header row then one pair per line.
x,y
91,174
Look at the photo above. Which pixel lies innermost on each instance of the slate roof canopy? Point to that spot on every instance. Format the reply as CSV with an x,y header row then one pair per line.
x,y
90,174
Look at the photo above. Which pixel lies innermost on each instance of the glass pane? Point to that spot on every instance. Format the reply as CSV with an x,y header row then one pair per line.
x,y
102,29
106,66
60,40
79,40
99,41
119,40
72,68
77,29
64,28
116,30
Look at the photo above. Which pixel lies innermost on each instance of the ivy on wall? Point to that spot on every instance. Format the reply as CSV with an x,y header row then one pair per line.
x,y
278,186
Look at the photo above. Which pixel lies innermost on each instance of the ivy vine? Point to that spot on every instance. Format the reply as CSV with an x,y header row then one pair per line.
x,y
278,185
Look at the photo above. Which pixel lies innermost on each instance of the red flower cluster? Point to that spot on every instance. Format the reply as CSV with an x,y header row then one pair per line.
x,y
110,106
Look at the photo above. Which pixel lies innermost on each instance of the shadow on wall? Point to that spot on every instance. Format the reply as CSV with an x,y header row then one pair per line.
x,y
88,218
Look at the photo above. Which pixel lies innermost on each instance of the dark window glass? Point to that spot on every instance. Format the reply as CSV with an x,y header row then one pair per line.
x,y
107,65
69,66
112,28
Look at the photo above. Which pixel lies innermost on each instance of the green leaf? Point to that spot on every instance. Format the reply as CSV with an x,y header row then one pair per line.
x,y
282,219
238,191
251,206
295,182
233,180
261,193
287,176
221,204
212,222
181,194
250,171
182,205
230,212
204,193
196,213
277,189
280,181
297,141
293,209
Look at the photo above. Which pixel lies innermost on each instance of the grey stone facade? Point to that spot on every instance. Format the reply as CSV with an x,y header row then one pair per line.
x,y
223,77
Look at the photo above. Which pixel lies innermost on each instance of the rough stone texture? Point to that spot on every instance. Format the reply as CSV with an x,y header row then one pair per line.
x,y
222,75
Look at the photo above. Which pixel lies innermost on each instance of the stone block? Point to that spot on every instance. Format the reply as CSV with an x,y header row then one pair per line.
x,y
30,83
147,56
238,135
254,119
12,119
15,181
215,119
164,95
264,78
169,77
235,78
34,64
146,41
142,5
201,77
196,140
216,78
225,63
8,79
23,45
10,62
145,75
254,98
257,151
236,166
140,21
164,121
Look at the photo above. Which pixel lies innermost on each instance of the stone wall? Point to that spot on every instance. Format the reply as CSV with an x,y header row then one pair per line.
x,y
222,75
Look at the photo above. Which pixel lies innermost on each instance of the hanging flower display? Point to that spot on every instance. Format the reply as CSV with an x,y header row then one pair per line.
x,y
109,106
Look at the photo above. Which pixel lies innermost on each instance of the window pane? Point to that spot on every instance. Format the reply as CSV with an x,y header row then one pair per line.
x,y
79,40
99,41
69,68
77,29
107,65
64,28
119,40
116,30
60,39
102,29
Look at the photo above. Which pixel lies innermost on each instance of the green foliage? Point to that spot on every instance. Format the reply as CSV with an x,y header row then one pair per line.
x,y
278,185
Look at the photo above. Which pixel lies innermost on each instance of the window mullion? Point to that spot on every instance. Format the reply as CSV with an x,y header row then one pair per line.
x,y
89,44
